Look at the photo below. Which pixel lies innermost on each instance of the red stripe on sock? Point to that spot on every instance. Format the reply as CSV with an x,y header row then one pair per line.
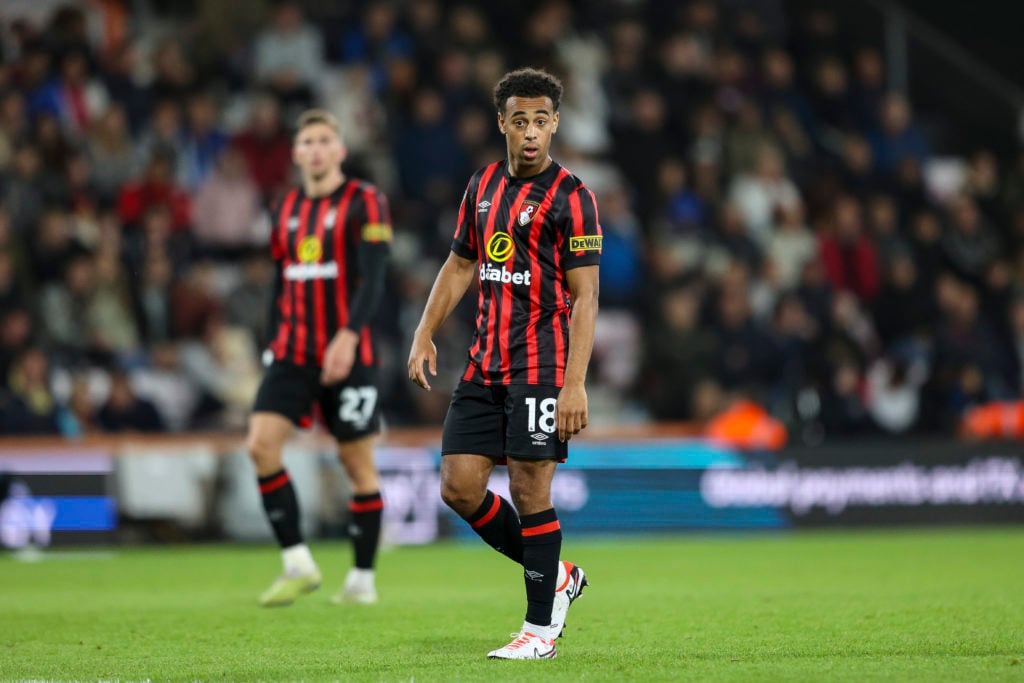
x,y
542,529
275,483
495,506
366,505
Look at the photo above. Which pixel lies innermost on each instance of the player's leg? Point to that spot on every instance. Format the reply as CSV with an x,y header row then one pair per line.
x,y
471,443
282,400
551,585
352,413
530,486
366,509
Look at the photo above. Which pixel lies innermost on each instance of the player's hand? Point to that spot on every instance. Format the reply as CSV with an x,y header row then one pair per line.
x,y
571,411
339,357
422,351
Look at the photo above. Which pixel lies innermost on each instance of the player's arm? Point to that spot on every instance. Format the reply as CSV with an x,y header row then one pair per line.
x,y
451,284
449,287
277,252
571,409
374,247
581,240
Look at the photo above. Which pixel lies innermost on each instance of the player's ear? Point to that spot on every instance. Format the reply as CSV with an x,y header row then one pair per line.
x,y
501,122
554,123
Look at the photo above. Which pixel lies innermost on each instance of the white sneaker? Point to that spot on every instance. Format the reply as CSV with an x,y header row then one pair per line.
x,y
288,587
359,588
525,645
571,582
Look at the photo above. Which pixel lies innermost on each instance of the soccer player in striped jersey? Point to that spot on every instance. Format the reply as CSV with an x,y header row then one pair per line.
x,y
528,232
330,239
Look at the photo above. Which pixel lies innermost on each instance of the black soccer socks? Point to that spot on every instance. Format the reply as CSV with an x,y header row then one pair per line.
x,y
542,544
497,523
364,528
282,508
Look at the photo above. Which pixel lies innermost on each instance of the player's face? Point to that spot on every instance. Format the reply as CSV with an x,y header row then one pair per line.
x,y
317,150
528,124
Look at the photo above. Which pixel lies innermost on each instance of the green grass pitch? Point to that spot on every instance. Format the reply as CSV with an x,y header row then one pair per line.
x,y
853,606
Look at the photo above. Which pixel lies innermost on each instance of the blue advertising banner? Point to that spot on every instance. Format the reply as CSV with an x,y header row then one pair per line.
x,y
59,497
642,486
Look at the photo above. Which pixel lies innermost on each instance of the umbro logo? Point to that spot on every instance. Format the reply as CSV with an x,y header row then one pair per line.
x,y
539,437
330,218
532,575
293,223
483,206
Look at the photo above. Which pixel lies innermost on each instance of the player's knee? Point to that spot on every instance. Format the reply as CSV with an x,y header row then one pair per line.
x,y
529,494
264,452
363,479
459,497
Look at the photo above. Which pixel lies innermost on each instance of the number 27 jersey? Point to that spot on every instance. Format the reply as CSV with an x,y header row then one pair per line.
x,y
525,234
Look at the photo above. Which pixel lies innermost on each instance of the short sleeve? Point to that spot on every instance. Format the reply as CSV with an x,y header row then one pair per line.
x,y
581,231
464,243
377,228
273,218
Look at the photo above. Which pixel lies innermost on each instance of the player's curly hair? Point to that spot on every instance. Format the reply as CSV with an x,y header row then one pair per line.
x,y
527,82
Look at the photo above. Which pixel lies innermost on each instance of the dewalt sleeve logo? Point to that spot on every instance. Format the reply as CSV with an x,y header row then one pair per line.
x,y
377,232
586,243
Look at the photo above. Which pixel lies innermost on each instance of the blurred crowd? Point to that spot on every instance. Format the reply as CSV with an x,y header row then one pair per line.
x,y
780,226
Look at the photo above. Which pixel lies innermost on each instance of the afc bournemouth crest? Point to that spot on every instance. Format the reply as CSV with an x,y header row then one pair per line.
x,y
527,211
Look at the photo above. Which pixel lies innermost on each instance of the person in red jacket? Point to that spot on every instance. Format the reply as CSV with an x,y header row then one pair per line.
x,y
850,257
156,188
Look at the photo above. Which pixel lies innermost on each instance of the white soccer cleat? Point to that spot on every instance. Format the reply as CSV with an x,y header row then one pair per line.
x,y
359,589
288,587
525,645
571,582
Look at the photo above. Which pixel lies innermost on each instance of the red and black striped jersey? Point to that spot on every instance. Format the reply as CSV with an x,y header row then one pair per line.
x,y
525,234
322,246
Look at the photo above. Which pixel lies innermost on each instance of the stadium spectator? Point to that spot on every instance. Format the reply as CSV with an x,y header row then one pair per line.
x,y
850,256
679,353
896,138
27,405
201,143
110,311
969,242
246,305
118,71
792,245
64,307
759,191
288,56
124,411
111,153
156,189
174,76
74,97
266,146
903,310
227,206
24,192
681,211
622,285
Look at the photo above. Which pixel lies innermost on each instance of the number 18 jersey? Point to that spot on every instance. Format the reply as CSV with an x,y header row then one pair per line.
x,y
525,234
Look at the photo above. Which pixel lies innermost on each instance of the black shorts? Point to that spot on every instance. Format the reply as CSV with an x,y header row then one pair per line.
x,y
517,420
350,409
